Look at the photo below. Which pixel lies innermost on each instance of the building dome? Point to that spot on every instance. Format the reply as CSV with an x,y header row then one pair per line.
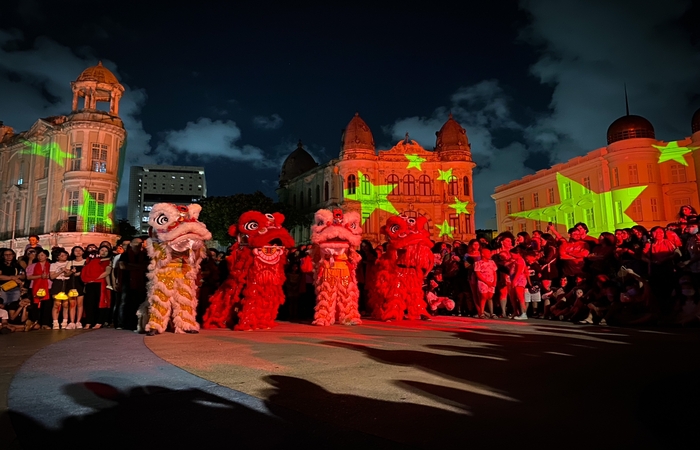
x,y
297,163
630,127
98,73
451,136
695,123
357,135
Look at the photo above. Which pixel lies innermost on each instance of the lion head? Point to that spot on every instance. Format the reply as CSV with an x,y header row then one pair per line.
x,y
264,234
335,229
178,226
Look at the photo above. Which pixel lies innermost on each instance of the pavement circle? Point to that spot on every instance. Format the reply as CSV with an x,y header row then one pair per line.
x,y
407,384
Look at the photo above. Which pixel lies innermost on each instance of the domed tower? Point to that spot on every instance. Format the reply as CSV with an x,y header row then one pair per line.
x,y
97,84
297,163
695,122
357,140
630,127
452,137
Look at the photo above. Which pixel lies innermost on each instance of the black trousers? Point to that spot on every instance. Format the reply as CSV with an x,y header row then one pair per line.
x,y
93,313
129,303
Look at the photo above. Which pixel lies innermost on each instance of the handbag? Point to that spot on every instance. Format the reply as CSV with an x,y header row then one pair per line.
x,y
8,286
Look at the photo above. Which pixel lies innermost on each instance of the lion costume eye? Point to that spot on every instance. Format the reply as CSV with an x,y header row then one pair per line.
x,y
251,226
353,225
394,228
161,220
320,223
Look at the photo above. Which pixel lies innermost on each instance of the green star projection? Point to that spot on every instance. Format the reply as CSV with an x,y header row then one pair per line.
x,y
414,161
582,199
445,229
460,207
90,212
445,176
372,200
672,152
52,151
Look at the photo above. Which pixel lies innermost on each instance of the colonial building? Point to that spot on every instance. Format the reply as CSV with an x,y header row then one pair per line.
x,y
60,178
635,179
152,184
405,179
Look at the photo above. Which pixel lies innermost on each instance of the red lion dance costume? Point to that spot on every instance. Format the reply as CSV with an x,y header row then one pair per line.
x,y
176,248
253,290
335,235
401,270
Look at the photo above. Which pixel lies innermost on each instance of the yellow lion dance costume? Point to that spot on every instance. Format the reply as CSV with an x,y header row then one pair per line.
x,y
176,248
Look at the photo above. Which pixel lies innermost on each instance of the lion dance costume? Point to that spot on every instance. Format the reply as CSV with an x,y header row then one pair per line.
x,y
252,294
176,248
398,284
335,235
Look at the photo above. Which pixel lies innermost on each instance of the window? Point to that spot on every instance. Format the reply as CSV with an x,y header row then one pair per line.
x,y
352,184
654,209
42,212
20,176
509,228
587,183
455,223
144,219
46,167
95,210
634,176
678,173
650,172
509,207
468,223
73,203
590,218
538,225
550,195
453,186
618,212
309,197
570,220
467,187
18,214
412,214
409,185
521,204
636,210
326,192
536,200
393,180
99,158
567,191
318,194
615,177
522,227
424,185
77,158
366,185
147,208
301,199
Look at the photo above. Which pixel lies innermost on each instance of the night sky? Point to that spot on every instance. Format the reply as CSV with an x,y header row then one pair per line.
x,y
234,88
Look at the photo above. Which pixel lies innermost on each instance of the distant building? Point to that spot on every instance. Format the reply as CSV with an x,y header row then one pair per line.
x,y
635,179
406,179
153,184
60,178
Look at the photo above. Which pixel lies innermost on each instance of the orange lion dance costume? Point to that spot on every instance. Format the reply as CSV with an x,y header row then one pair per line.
x,y
335,236
398,287
252,294
176,248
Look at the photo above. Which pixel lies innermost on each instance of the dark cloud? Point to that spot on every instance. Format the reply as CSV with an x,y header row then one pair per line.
x,y
272,122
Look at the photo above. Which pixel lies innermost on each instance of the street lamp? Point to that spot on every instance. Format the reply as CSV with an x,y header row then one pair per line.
x,y
14,223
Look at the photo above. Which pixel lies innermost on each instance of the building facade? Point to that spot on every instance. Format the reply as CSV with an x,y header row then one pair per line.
x,y
635,179
152,184
60,178
405,179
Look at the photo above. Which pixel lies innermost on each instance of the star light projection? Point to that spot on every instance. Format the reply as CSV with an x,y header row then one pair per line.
x,y
445,229
460,207
577,198
414,161
445,175
673,152
371,197
51,151
92,212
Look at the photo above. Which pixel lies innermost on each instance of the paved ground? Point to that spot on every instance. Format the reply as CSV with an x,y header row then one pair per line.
x,y
452,380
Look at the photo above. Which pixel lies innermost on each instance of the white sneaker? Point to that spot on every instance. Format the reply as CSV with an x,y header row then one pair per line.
x,y
603,322
78,326
71,326
64,324
55,325
522,316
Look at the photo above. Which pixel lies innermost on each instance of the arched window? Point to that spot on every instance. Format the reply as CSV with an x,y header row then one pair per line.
x,y
326,192
301,199
424,185
318,194
352,184
366,185
310,203
453,186
409,185
467,189
393,181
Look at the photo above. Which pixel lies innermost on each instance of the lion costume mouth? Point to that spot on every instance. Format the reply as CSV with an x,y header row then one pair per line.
x,y
269,254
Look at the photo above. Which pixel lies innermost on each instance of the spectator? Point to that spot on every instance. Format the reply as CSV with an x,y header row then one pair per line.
x,y
39,275
485,271
60,276
133,266
76,294
11,277
97,296
33,244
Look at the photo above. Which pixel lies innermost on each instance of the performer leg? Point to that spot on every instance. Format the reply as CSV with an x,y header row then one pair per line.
x,y
185,307
347,302
325,302
159,312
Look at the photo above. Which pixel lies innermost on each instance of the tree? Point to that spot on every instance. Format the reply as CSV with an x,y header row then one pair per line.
x,y
126,230
219,213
